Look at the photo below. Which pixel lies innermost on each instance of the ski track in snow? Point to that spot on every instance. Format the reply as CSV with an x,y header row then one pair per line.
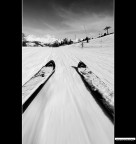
x,y
64,112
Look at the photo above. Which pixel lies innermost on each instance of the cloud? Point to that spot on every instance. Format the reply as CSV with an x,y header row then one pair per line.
x,y
61,17
77,22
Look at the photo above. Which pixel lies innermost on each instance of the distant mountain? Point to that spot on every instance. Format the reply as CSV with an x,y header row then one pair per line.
x,y
34,41
35,44
45,39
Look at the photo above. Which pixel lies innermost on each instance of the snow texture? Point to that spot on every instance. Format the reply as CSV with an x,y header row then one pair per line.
x,y
64,112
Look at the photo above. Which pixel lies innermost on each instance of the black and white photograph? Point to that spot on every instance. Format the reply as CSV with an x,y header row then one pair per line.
x,y
68,72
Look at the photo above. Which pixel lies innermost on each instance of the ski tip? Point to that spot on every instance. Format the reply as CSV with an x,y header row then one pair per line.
x,y
81,65
51,63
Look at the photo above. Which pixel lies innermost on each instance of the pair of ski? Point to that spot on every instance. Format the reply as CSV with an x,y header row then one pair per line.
x,y
39,79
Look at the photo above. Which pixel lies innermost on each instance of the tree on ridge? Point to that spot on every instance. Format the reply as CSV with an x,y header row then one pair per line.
x,y
106,29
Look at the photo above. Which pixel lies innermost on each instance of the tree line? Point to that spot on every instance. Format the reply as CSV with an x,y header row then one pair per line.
x,y
56,43
63,42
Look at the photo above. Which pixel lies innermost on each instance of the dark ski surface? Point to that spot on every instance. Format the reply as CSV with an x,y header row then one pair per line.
x,y
97,94
41,75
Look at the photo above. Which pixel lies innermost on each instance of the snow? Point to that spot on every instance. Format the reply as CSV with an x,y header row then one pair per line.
x,y
30,44
64,111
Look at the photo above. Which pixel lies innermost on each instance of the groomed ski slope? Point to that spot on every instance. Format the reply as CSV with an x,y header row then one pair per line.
x,y
64,112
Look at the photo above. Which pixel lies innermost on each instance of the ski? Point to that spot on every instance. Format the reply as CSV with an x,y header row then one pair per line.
x,y
96,83
102,94
38,79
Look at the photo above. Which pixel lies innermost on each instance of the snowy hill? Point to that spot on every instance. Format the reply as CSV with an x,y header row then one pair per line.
x,y
102,42
64,107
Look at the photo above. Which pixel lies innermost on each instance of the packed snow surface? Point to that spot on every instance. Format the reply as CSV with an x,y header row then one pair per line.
x,y
64,112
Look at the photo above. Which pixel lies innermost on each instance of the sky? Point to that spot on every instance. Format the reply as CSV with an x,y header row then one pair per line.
x,y
67,18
